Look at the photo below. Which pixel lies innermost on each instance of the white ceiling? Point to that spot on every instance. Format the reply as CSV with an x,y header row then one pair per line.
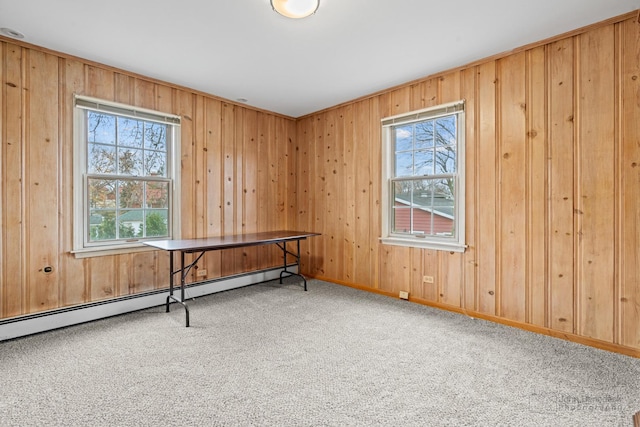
x,y
242,49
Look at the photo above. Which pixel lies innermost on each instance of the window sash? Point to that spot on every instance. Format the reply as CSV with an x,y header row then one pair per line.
x,y
453,241
424,114
84,245
118,210
116,109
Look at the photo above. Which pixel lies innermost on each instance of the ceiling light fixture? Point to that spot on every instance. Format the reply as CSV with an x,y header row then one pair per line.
x,y
11,33
295,9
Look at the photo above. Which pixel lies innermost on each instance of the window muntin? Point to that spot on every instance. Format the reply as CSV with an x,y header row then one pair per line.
x,y
424,179
127,175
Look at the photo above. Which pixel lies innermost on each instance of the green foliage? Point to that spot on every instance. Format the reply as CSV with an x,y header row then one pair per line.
x,y
156,225
106,230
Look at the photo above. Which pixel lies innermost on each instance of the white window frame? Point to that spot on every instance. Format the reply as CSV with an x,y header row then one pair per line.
x,y
81,245
454,243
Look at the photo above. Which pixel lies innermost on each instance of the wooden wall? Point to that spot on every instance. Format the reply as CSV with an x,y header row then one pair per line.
x,y
553,186
552,190
236,176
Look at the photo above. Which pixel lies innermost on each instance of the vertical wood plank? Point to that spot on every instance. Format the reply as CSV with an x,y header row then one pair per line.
x,y
486,190
363,203
184,108
291,181
144,93
102,277
238,185
13,253
206,267
213,197
380,108
449,88
630,189
513,152
468,91
72,289
330,206
3,47
348,194
124,89
272,206
595,204
41,180
164,102
263,183
451,277
450,283
250,184
200,169
227,124
431,267
99,82
560,175
536,187
144,271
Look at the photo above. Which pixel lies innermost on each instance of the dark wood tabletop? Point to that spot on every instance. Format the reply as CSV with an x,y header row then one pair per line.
x,y
230,241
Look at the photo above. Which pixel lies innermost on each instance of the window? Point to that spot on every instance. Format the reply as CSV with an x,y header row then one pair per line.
x,y
125,176
423,178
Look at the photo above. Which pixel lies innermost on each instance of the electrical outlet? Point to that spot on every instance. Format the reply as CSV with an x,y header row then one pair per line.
x,y
427,279
404,295
201,272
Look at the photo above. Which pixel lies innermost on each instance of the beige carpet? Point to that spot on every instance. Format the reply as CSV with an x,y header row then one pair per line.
x,y
271,355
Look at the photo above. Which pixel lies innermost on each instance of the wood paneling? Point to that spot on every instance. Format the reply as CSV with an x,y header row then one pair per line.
x,y
629,160
13,254
552,186
222,171
552,193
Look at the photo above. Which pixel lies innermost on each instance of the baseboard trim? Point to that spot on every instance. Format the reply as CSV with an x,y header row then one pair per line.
x,y
21,326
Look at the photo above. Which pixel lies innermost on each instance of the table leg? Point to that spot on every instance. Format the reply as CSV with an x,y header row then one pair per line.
x,y
172,273
182,285
285,272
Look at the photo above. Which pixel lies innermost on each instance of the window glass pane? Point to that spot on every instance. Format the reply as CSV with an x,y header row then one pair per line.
x,y
424,134
422,198
157,195
402,191
102,193
129,223
445,160
404,138
155,163
155,136
101,127
401,219
102,224
101,159
156,223
402,196
446,130
129,161
424,162
443,206
129,132
421,221
131,194
404,164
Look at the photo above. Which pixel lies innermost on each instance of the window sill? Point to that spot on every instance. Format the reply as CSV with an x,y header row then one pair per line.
x,y
417,242
110,250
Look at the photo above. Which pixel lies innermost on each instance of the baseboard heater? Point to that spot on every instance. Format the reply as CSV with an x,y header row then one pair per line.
x,y
20,326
